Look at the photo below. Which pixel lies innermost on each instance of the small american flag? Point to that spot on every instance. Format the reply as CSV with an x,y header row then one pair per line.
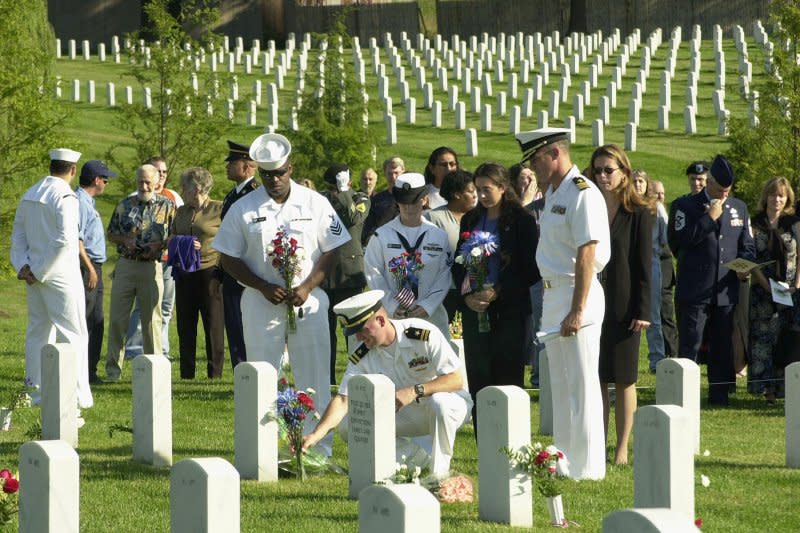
x,y
405,297
466,285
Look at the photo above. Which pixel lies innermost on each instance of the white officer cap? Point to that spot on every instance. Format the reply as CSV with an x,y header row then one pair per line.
x,y
530,141
270,151
409,187
64,154
356,310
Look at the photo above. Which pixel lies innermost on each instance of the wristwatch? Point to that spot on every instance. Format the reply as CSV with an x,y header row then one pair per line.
x,y
419,389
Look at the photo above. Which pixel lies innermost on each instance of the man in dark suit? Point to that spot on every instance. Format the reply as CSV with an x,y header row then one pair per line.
x,y
708,229
241,170
346,276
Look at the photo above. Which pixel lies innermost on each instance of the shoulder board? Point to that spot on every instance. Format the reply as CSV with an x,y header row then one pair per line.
x,y
418,333
359,354
581,183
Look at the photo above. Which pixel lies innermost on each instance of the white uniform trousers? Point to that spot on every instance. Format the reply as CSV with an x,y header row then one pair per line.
x,y
438,416
575,382
265,335
57,313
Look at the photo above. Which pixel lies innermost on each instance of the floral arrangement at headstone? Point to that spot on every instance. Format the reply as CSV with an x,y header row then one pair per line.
x,y
286,256
9,504
19,398
548,467
474,255
405,269
453,488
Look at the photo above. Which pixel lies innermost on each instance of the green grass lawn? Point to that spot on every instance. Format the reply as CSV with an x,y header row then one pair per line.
x,y
750,488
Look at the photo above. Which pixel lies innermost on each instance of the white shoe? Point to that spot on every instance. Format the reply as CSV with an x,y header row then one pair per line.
x,y
79,419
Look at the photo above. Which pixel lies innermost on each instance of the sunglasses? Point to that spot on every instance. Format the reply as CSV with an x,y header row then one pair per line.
x,y
604,170
277,173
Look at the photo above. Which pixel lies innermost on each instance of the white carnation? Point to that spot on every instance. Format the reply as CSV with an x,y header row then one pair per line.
x,y
475,252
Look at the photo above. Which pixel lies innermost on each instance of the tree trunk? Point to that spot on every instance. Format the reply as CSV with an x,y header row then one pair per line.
x,y
577,16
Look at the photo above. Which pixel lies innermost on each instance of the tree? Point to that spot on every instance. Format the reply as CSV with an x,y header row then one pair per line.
x,y
183,124
772,146
331,117
30,115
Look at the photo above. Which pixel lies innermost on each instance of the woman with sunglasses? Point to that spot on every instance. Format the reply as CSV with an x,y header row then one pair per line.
x,y
626,279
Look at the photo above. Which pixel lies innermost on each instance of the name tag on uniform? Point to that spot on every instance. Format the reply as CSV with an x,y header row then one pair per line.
x,y
301,219
432,248
737,222
559,209
390,245
257,220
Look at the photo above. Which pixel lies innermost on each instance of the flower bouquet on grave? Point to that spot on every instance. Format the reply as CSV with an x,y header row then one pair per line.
x,y
456,488
19,398
286,256
548,468
405,269
474,255
293,408
9,504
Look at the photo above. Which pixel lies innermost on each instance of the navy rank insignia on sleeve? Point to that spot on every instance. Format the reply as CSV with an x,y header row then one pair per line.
x,y
359,354
580,183
418,333
335,227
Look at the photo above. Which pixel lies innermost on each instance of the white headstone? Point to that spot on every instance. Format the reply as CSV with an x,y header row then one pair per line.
x,y
663,473
514,120
87,54
689,121
537,87
111,94
665,92
577,107
555,99
486,117
501,104
460,116
597,133
586,91
512,86
129,95
370,430
475,100
90,90
406,508
59,394
663,117
593,75
611,93
792,377
411,111
72,49
391,129
569,123
505,493
101,51
76,90
204,496
148,98
630,136
427,96
49,494
633,110
605,110
255,427
472,142
452,97
152,410
542,119
527,103
678,383
58,48
648,521
436,114
722,124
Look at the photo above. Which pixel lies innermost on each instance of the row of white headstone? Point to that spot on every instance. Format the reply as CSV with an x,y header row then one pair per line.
x,y
663,472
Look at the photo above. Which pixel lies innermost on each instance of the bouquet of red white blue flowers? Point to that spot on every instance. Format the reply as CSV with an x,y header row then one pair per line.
x,y
405,269
474,255
547,465
286,255
294,407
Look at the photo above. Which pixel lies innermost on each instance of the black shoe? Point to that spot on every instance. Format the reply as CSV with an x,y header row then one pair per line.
x,y
94,380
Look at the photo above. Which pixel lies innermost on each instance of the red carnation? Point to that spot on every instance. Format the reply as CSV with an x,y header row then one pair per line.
x,y
698,522
293,242
279,250
6,474
305,400
560,455
465,235
276,262
11,485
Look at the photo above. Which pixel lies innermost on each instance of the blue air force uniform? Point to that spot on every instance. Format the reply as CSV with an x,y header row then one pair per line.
x,y
706,291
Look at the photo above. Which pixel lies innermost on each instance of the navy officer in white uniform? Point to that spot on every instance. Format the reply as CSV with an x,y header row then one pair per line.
x,y
574,246
243,240
411,232
430,394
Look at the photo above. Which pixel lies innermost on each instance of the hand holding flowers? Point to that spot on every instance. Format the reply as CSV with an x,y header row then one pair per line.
x,y
286,256
474,254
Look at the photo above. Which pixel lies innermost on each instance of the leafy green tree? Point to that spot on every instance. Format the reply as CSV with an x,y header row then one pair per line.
x,y
331,120
772,147
31,118
178,126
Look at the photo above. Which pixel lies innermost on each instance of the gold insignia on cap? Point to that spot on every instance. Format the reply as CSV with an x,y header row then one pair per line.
x,y
418,333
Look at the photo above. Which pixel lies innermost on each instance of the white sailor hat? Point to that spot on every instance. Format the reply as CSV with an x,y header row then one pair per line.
x,y
409,187
270,151
64,154
530,141
354,312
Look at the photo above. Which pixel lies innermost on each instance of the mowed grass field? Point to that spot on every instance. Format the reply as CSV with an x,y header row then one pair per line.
x,y
750,488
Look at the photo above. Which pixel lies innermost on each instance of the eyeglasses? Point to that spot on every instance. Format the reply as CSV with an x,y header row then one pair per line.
x,y
277,173
604,170
105,179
